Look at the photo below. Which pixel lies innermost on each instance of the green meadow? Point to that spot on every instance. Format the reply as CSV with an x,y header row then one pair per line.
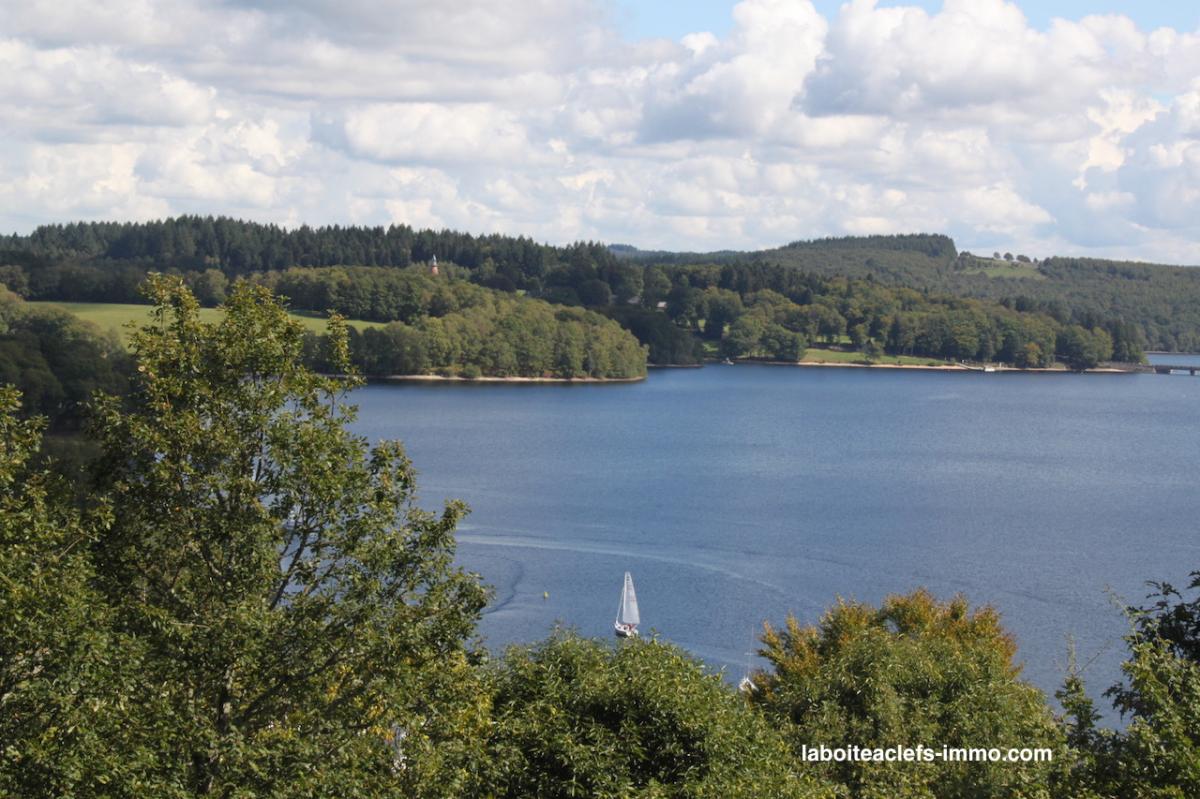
x,y
820,355
118,316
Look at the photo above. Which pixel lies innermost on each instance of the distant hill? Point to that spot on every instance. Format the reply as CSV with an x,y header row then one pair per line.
x,y
1161,300
104,262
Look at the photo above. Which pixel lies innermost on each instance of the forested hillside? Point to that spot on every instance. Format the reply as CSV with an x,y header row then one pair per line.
x,y
1161,301
757,310
900,295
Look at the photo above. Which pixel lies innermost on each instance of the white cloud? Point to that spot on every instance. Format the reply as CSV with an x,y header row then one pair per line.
x,y
1000,209
1104,200
429,132
534,117
83,87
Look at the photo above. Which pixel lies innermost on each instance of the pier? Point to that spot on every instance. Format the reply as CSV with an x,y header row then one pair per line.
x,y
1166,369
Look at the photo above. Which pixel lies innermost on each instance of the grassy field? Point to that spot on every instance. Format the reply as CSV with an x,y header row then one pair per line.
x,y
822,355
117,316
1001,268
841,356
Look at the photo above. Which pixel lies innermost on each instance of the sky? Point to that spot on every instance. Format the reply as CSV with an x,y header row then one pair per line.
x,y
1057,127
676,18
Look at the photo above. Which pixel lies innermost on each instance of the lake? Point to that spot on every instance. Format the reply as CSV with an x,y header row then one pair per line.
x,y
738,494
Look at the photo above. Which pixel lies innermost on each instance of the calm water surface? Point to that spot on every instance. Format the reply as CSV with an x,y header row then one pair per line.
x,y
1175,359
737,494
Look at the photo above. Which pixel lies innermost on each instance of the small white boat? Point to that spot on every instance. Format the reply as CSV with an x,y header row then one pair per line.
x,y
627,614
747,685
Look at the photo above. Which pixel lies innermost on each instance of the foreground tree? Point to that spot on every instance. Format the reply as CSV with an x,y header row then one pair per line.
x,y
289,602
1157,756
914,671
580,718
64,722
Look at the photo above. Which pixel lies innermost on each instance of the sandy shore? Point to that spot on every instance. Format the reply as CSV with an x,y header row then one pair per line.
x,y
946,367
951,367
943,367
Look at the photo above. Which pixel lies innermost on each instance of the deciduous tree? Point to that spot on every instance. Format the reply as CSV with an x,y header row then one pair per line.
x,y
292,604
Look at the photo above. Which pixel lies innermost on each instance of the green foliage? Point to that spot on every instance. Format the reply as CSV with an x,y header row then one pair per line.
x,y
655,287
289,605
1081,348
595,292
1132,303
927,244
776,301
373,293
56,361
63,712
453,327
913,671
209,286
666,343
503,336
1158,754
720,307
580,718
1160,303
743,336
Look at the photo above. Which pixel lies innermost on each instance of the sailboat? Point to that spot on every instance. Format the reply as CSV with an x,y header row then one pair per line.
x,y
627,614
747,685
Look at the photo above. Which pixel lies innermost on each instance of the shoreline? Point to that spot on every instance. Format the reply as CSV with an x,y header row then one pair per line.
x,y
942,367
946,367
488,379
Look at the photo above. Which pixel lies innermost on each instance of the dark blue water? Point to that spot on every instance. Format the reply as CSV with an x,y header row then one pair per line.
x,y
739,494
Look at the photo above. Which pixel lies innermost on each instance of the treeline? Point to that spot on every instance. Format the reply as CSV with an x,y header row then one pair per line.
x,y
237,247
442,326
759,310
746,310
500,337
88,257
246,600
1161,302
375,294
454,328
933,245
1134,305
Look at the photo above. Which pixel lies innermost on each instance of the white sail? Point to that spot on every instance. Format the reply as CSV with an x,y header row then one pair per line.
x,y
628,612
